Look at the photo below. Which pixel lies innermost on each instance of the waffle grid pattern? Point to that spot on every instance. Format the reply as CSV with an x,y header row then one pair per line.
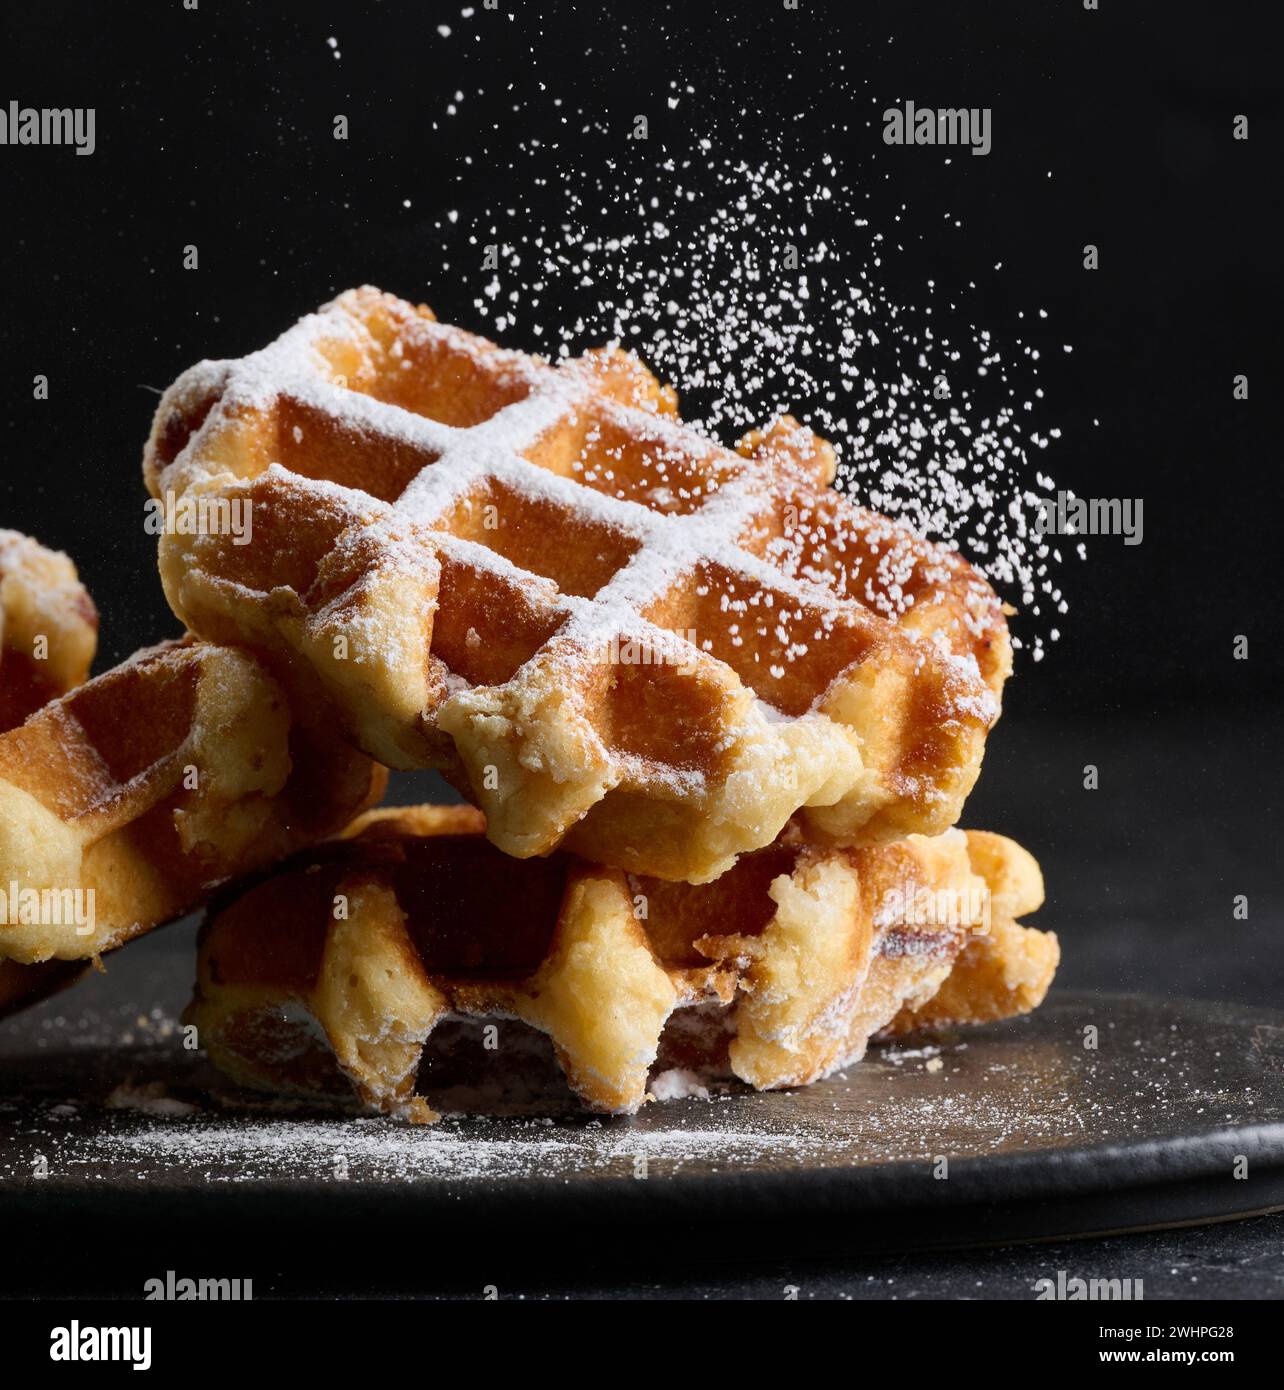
x,y
457,541
296,992
149,785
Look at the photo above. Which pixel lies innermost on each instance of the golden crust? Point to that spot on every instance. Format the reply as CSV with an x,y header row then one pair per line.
x,y
411,920
48,635
48,627
126,801
122,802
455,543
1008,970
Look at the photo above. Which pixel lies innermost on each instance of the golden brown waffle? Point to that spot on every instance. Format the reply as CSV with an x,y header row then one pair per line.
x,y
345,970
126,801
1004,972
608,631
48,627
48,634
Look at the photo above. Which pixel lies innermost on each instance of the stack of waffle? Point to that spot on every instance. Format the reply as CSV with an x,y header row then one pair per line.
x,y
714,721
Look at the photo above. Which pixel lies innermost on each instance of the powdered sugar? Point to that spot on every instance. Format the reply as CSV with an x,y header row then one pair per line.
x,y
245,1149
678,1084
753,309
150,1099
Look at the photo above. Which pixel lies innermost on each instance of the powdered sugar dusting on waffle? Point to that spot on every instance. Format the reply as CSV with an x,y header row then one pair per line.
x,y
424,470
300,364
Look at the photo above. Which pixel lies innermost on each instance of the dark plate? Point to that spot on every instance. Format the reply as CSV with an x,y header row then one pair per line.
x,y
1013,1131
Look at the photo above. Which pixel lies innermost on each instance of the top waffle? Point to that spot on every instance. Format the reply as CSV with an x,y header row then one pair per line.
x,y
605,628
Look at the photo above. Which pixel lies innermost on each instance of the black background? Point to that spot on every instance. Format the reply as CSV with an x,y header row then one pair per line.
x,y
214,127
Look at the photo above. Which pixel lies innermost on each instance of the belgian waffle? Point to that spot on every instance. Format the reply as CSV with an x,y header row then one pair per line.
x,y
48,635
48,627
611,633
345,970
125,801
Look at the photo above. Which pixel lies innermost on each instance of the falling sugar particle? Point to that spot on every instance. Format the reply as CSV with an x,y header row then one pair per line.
x,y
751,311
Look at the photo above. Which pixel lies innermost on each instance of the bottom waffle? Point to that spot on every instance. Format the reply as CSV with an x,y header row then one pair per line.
x,y
411,953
